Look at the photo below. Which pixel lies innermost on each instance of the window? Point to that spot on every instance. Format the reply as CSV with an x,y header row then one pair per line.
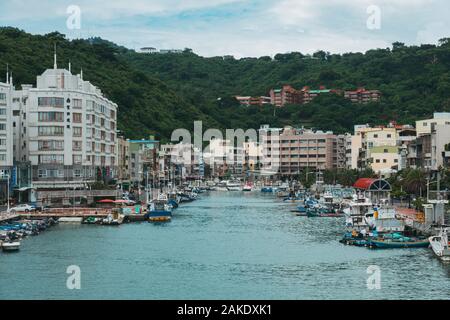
x,y
42,173
2,112
384,160
77,159
2,142
425,124
50,131
51,159
377,161
2,126
385,150
2,157
77,103
76,145
51,116
389,135
55,173
51,145
77,173
375,136
77,131
2,96
76,117
51,102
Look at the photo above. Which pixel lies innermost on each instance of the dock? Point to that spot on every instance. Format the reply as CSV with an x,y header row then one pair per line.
x,y
6,217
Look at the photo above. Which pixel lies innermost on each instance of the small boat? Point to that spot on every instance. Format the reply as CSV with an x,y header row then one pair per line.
x,y
439,245
396,240
113,219
173,199
322,212
248,187
159,210
11,246
266,189
233,186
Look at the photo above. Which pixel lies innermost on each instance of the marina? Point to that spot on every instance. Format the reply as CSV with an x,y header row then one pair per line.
x,y
224,244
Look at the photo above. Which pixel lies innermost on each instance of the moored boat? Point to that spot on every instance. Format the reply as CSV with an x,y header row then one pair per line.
x,y
440,246
159,210
11,246
394,241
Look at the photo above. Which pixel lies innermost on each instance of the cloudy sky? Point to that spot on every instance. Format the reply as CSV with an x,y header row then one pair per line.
x,y
239,27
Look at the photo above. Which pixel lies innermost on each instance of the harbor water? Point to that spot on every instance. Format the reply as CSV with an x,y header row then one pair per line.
x,y
226,245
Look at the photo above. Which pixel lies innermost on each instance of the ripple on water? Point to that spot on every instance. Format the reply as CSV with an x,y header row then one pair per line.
x,y
223,246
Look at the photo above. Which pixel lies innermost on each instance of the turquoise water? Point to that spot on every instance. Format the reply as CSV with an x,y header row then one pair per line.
x,y
223,246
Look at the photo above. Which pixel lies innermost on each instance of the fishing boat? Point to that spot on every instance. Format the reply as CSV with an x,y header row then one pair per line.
x,y
359,213
266,189
397,240
113,219
159,210
323,213
11,246
233,186
440,246
173,199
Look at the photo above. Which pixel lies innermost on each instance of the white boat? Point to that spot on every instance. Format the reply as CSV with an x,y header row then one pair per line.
x,y
247,187
11,246
359,214
70,220
439,245
233,186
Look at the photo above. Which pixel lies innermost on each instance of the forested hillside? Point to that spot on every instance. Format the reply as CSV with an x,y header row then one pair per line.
x,y
157,93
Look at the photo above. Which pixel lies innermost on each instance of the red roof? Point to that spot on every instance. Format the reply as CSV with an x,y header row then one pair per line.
x,y
364,183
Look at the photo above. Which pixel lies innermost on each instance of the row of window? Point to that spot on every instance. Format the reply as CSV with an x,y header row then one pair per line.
x,y
51,102
57,131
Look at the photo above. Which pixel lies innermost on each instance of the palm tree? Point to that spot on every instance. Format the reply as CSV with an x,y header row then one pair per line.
x,y
415,181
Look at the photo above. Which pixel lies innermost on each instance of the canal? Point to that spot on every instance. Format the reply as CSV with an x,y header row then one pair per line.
x,y
224,246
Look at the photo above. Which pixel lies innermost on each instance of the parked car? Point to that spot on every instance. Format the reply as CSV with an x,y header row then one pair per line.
x,y
22,208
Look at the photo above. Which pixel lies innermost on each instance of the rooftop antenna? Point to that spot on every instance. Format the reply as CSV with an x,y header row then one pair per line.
x,y
81,74
7,73
55,66
11,78
70,67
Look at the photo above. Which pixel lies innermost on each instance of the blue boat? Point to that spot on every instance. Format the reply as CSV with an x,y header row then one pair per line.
x,y
396,240
266,189
159,210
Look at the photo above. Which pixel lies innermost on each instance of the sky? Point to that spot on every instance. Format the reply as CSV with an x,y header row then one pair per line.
x,y
243,28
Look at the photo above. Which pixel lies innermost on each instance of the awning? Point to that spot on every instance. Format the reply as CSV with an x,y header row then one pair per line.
x,y
24,189
371,184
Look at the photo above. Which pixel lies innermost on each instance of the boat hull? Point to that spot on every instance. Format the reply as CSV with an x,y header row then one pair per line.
x,y
159,216
376,244
10,247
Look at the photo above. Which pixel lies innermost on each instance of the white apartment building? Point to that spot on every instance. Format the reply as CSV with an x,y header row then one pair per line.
x,y
66,128
440,137
6,140
269,141
425,126
6,137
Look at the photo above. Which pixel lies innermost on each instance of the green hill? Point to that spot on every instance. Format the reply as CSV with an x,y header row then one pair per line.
x,y
158,93
146,105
